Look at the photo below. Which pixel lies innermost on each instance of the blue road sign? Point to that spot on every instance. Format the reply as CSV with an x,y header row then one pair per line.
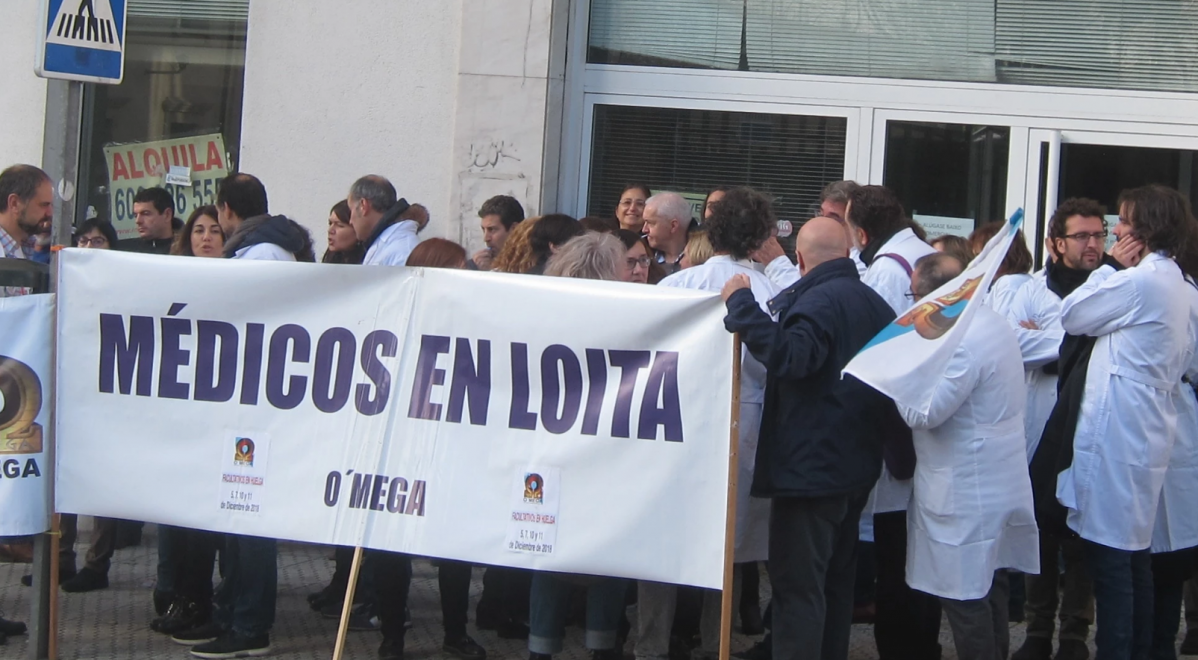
x,y
82,40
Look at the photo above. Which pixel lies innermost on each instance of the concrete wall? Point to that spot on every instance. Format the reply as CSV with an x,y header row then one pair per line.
x,y
452,100
22,94
335,90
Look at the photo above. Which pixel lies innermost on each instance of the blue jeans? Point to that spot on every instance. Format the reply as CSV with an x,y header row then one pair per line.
x,y
1123,597
548,609
245,599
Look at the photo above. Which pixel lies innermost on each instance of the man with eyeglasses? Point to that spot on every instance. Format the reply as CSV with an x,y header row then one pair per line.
x,y
667,220
1077,233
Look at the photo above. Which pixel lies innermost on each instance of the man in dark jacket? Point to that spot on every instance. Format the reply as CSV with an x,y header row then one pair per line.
x,y
821,445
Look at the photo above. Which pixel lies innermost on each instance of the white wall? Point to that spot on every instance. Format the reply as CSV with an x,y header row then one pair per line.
x,y
22,94
335,90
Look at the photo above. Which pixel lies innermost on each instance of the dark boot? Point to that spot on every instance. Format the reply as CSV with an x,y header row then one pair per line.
x,y
1034,648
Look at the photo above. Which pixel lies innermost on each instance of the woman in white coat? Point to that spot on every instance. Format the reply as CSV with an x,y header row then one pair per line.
x,y
971,514
1146,328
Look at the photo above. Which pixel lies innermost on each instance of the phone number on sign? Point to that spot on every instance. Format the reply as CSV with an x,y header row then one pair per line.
x,y
200,192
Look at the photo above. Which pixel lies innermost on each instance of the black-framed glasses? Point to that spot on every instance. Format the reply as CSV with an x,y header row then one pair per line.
x,y
643,262
1086,237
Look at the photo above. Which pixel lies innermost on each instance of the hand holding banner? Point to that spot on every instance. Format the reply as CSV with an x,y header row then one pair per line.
x,y
907,358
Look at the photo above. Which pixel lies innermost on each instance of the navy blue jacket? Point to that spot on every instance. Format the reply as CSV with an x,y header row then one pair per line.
x,y
821,435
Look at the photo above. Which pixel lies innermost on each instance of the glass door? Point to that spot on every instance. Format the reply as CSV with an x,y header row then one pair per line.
x,y
952,172
1065,164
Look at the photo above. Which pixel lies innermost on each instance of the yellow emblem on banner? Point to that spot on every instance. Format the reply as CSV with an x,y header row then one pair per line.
x,y
20,403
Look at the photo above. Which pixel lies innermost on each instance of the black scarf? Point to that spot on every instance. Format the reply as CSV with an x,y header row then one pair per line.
x,y
389,218
1055,451
277,229
870,252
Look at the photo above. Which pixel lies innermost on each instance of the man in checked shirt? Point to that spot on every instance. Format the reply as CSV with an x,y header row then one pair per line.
x,y
26,199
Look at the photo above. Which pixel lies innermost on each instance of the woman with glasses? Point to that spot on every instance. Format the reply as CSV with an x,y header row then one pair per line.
x,y
642,269
95,234
631,207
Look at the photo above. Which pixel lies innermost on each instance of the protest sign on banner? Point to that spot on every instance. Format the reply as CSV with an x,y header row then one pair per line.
x,y
166,163
26,325
908,358
536,422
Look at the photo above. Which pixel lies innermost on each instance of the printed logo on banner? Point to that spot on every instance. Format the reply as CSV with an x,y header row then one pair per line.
x,y
20,403
532,527
244,453
243,475
534,489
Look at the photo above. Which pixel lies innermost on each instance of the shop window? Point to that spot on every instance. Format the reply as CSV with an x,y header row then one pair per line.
x,y
789,157
179,104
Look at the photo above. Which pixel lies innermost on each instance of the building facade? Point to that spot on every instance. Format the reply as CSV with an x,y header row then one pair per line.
x,y
969,109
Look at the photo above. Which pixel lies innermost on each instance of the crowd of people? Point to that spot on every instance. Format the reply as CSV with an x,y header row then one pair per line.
x,y
1054,473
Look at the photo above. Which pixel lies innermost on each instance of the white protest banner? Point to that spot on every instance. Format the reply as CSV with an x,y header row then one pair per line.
x,y
26,323
536,422
907,358
137,166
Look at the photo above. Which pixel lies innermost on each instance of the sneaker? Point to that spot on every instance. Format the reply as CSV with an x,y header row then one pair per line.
x,y
464,647
1072,649
362,618
183,614
162,601
63,576
86,580
1034,648
198,635
329,594
1189,645
233,645
762,650
11,628
391,649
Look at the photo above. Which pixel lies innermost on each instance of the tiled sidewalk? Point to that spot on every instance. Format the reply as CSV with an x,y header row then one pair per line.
x,y
114,622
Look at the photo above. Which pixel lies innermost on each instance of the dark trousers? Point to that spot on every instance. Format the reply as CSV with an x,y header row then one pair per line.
x,y
1123,595
1170,571
453,579
505,594
1067,586
392,578
907,626
979,626
812,565
103,543
193,579
245,599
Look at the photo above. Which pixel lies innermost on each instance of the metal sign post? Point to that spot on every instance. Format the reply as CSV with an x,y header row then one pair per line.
x,y
60,159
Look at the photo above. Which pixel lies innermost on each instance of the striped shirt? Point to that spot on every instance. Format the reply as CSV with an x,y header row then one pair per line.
x,y
12,250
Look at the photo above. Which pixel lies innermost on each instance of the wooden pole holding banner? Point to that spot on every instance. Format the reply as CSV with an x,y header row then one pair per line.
x,y
348,605
730,514
55,542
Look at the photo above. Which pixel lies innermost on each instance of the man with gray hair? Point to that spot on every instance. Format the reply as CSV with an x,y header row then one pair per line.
x,y
667,219
374,213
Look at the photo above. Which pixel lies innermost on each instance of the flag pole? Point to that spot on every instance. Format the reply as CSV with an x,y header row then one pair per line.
x,y
730,514
348,605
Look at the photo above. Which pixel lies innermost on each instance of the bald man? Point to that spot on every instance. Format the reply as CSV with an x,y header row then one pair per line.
x,y
820,449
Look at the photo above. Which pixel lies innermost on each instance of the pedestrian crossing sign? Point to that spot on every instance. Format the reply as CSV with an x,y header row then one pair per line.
x,y
82,40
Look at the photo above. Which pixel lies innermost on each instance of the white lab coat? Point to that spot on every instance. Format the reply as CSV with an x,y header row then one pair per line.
x,y
1146,327
971,512
890,280
1003,290
1176,525
752,513
264,252
1034,302
393,246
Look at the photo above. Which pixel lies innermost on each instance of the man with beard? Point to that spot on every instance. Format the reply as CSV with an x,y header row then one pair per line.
x,y
1076,234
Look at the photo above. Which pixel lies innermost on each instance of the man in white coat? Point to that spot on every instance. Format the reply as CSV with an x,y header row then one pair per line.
x,y
907,626
739,223
1146,331
971,513
1076,234
374,213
